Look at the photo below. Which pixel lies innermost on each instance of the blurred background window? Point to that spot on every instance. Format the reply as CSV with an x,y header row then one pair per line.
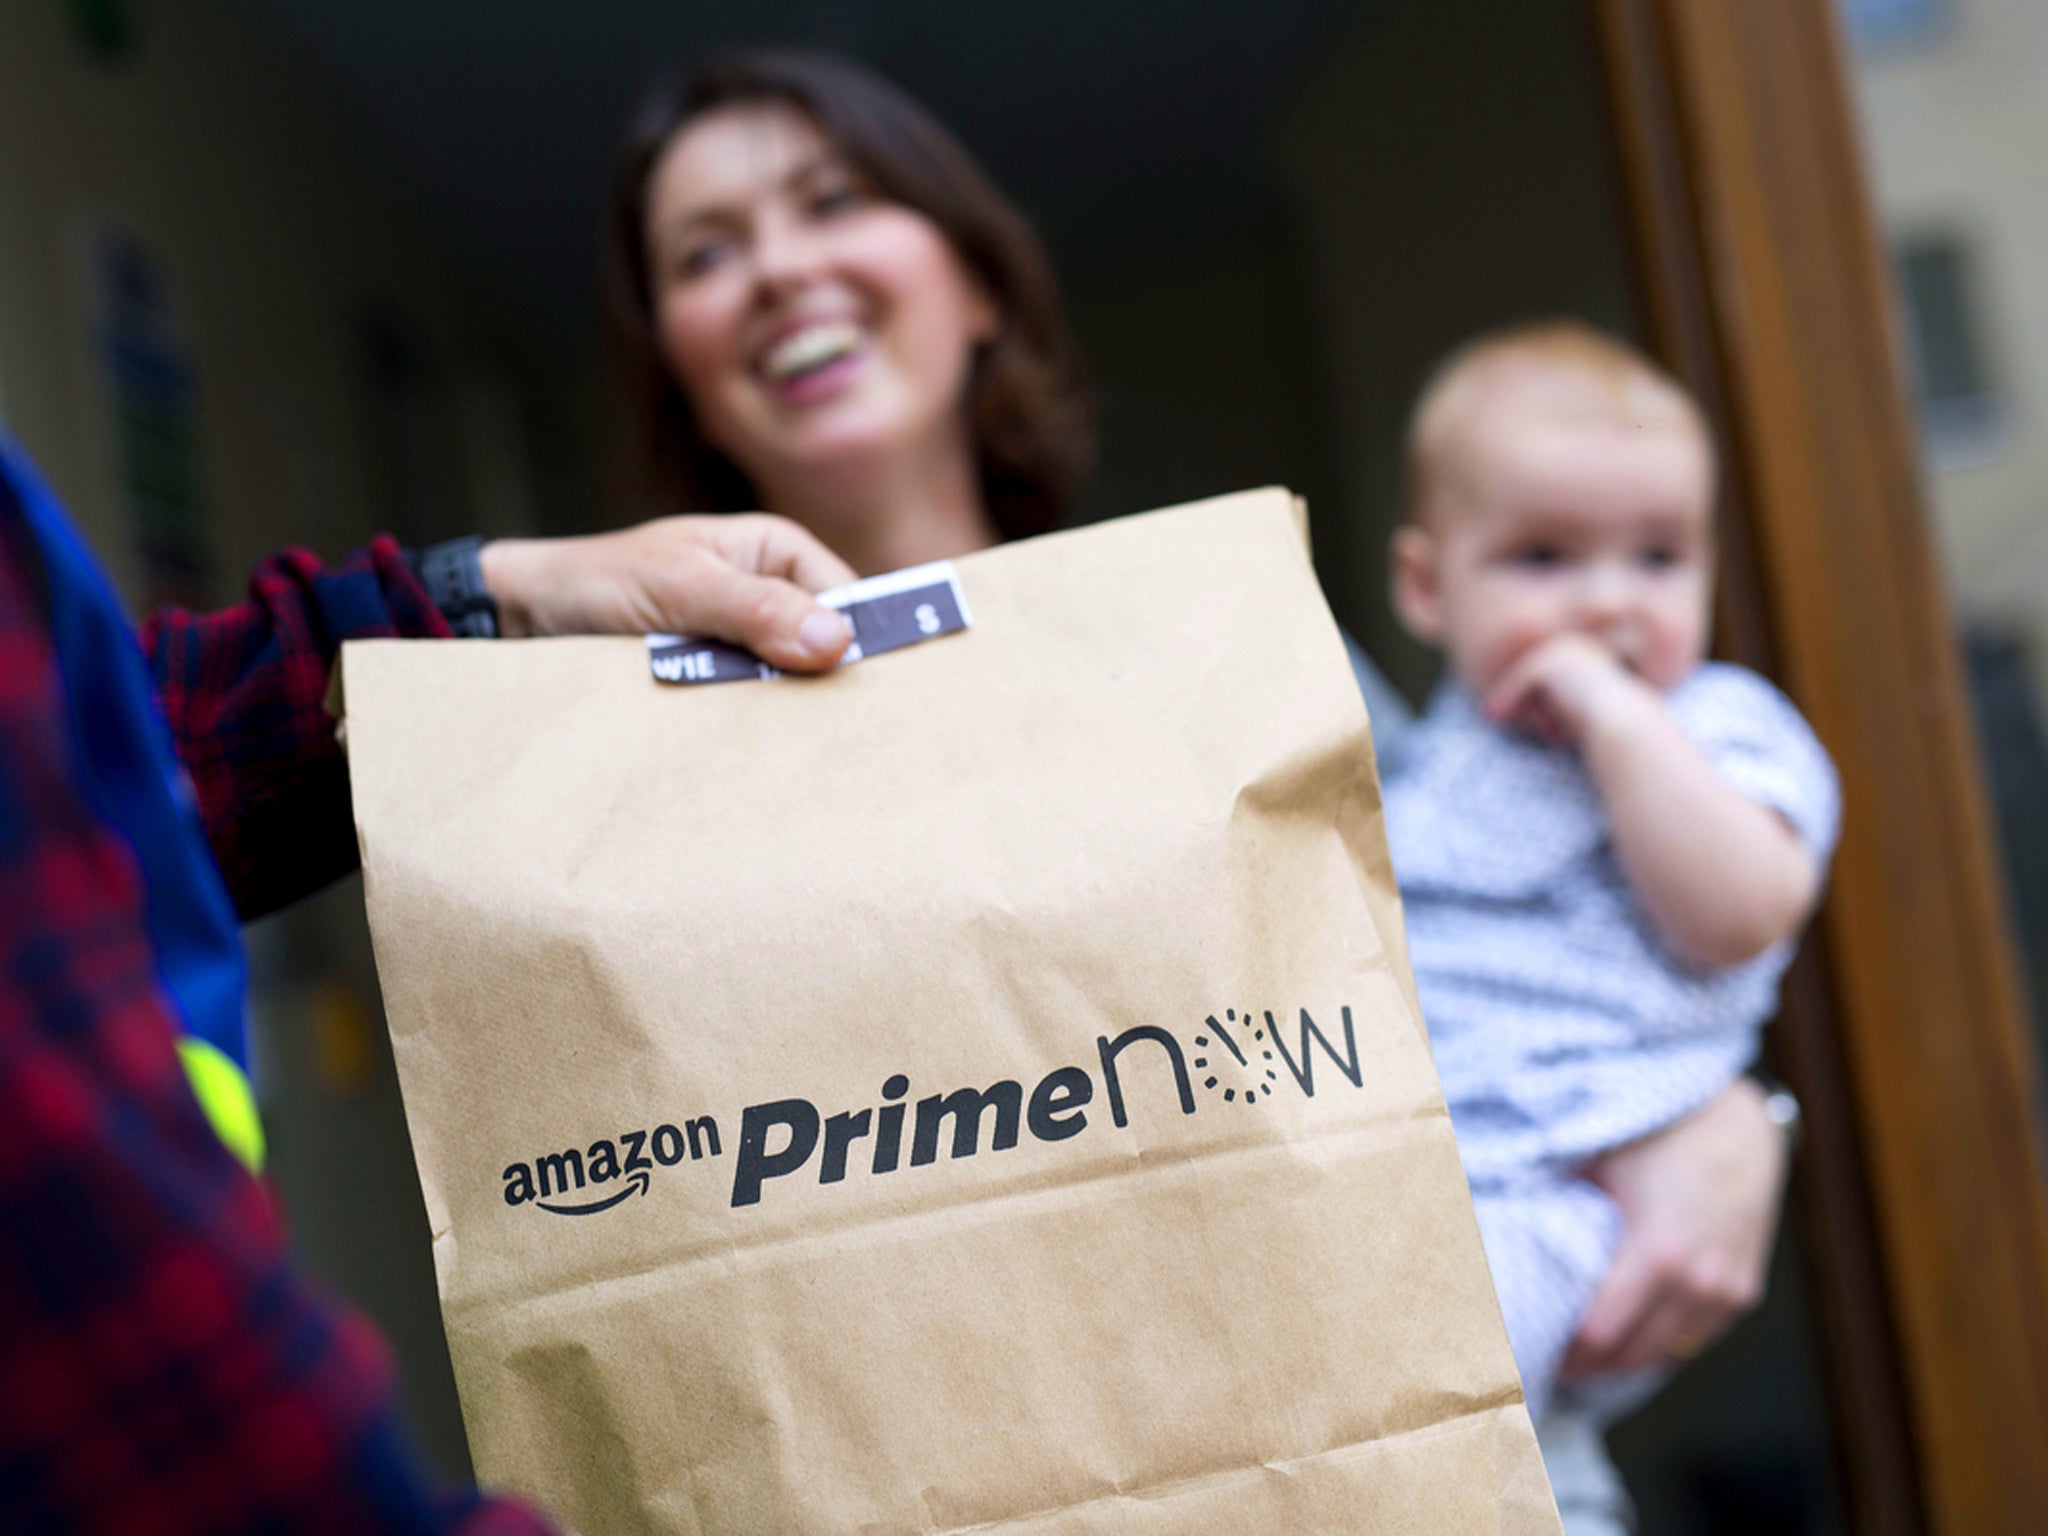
x,y
1953,134
1959,408
1885,23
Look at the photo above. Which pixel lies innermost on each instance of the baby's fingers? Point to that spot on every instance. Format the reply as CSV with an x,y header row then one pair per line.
x,y
1516,691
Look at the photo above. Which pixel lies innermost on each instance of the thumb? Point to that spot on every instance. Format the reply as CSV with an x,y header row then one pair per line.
x,y
1511,689
775,619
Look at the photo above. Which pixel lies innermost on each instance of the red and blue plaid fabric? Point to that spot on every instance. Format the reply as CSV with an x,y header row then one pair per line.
x,y
245,692
164,1369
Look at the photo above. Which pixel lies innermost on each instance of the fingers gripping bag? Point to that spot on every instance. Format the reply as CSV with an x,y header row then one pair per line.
x,y
977,1090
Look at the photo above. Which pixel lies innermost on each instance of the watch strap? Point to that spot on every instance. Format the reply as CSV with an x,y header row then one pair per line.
x,y
453,575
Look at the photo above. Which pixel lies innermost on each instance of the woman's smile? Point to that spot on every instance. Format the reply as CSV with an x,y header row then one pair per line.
x,y
813,360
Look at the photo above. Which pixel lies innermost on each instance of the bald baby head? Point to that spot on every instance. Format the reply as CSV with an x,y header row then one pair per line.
x,y
1563,372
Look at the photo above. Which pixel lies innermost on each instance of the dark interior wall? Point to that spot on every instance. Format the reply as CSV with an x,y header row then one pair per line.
x,y
1204,367
1449,170
281,239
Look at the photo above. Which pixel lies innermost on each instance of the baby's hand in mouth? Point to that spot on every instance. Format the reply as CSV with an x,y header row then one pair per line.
x,y
1556,690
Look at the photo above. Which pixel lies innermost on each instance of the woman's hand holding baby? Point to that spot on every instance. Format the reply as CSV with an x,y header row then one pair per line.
x,y
1700,1199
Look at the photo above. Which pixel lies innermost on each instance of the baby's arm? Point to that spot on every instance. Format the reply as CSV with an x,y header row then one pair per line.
x,y
1722,877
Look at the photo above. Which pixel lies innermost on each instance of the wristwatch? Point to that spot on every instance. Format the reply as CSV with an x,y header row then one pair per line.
x,y
1781,1108
454,578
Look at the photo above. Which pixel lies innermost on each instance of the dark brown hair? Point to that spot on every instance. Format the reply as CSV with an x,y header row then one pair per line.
x,y
1028,404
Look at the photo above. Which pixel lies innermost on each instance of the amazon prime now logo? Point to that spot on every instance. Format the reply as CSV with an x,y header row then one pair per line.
x,y
624,1159
1233,1063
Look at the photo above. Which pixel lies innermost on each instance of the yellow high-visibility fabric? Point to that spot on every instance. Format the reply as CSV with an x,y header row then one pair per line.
x,y
224,1093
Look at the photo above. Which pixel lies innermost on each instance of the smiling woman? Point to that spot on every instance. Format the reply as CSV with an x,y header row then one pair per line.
x,y
819,304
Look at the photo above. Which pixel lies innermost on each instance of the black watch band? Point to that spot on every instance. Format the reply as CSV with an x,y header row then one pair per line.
x,y
454,578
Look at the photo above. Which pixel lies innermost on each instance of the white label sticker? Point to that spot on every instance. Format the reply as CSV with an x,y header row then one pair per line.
x,y
886,612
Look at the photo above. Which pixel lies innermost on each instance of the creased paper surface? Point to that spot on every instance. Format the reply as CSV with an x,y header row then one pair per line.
x,y
977,1090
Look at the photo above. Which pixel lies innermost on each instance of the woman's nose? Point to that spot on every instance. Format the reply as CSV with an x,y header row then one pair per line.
x,y
786,254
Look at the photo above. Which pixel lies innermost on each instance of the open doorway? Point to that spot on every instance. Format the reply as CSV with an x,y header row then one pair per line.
x,y
1269,221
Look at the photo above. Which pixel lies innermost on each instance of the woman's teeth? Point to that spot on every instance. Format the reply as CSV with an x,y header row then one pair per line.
x,y
809,349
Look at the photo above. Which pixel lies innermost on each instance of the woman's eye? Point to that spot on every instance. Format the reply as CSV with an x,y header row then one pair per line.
x,y
1659,557
698,259
836,199
1539,557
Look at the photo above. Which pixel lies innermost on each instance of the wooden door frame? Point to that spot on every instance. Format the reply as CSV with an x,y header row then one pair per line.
x,y
1765,285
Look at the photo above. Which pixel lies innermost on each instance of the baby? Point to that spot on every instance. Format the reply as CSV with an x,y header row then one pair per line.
x,y
1606,845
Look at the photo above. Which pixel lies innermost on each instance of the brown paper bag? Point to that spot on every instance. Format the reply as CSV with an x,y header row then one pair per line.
x,y
979,1090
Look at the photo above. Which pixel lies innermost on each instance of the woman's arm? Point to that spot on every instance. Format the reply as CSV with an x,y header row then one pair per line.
x,y
244,690
1701,1203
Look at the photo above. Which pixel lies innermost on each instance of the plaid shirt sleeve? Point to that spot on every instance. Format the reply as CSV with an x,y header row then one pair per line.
x,y
163,1369
244,691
